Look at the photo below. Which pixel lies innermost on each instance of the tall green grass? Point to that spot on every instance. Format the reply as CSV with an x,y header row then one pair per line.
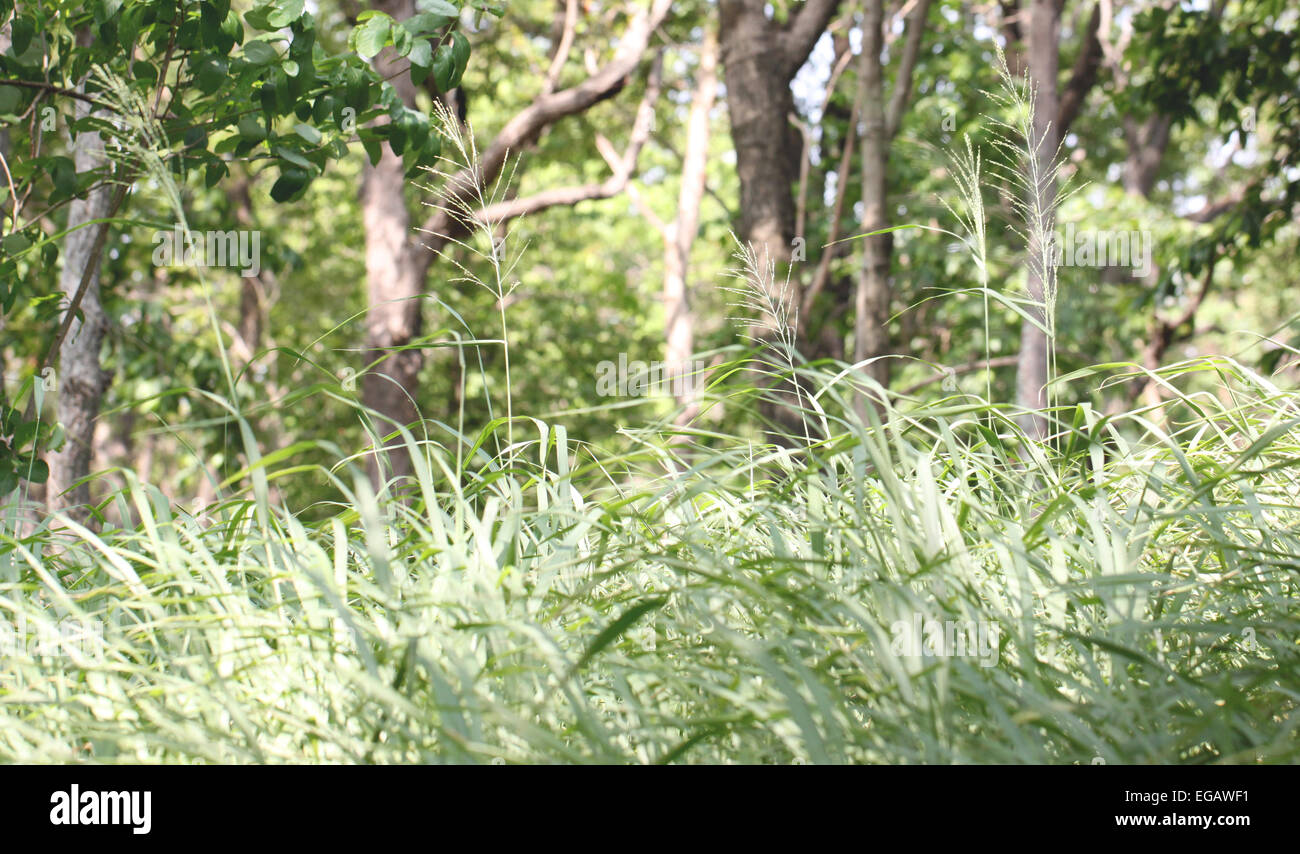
x,y
733,602
693,595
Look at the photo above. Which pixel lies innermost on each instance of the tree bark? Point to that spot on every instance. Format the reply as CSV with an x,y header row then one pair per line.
x,y
678,320
761,58
872,299
81,382
394,279
1147,141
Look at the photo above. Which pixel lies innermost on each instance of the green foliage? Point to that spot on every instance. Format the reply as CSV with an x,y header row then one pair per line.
x,y
252,85
523,607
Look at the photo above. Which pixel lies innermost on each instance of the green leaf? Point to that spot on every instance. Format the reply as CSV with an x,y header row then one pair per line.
x,y
425,23
21,34
214,172
370,37
444,68
449,62
10,98
291,156
260,16
250,128
36,471
15,243
625,621
285,13
211,74
210,18
308,133
291,182
421,60
260,53
144,71
402,40
23,436
233,31
460,51
441,7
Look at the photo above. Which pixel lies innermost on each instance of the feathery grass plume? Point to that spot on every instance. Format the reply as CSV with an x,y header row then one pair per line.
x,y
1021,169
464,197
966,168
771,321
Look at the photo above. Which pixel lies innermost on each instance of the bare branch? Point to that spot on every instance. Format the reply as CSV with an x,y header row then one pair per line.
x,y
443,225
622,166
802,31
903,83
569,25
1083,76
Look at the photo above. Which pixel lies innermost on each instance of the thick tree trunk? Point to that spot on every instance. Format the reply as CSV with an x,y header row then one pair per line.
x,y
761,58
759,104
1032,370
81,381
394,279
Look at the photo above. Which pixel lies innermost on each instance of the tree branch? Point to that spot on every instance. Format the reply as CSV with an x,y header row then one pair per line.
x,y
801,33
569,25
50,87
622,166
444,225
1083,76
903,83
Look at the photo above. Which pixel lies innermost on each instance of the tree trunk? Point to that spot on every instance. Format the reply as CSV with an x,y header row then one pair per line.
x,y
761,58
872,301
1032,370
394,280
81,381
252,289
1146,148
759,104
678,321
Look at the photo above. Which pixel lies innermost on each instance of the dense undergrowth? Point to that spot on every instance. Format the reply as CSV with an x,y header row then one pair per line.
x,y
1127,591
